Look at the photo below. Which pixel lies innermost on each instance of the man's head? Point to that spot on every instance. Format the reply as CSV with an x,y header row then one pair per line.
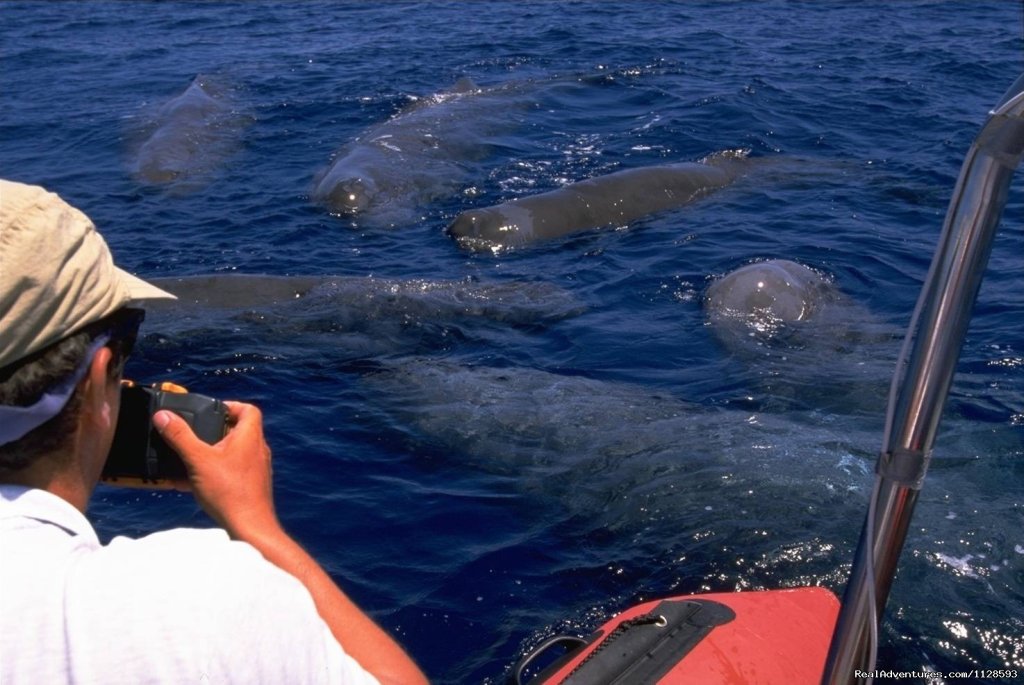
x,y
62,301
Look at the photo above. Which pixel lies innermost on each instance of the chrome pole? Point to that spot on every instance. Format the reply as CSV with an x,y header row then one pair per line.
x,y
921,383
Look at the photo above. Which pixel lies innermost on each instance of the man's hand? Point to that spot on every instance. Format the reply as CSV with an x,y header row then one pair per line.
x,y
231,480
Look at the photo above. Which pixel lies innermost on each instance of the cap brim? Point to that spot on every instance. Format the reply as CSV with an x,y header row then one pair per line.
x,y
140,290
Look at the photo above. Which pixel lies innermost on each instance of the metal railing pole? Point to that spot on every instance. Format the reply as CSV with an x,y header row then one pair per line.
x,y
923,377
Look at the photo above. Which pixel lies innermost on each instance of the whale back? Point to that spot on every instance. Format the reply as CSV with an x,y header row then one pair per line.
x,y
190,135
615,199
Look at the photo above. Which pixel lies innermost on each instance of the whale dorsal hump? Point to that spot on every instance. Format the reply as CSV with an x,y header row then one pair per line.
x,y
725,156
464,85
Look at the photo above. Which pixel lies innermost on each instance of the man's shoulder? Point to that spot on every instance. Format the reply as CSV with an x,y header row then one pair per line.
x,y
175,542
211,592
200,560
196,603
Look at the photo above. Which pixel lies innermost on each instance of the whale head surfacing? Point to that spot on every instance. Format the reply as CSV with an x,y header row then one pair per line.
x,y
766,295
352,195
492,228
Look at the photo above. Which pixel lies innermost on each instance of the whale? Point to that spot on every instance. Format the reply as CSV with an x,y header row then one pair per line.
x,y
606,468
355,317
764,294
612,452
614,199
786,322
368,298
189,136
389,173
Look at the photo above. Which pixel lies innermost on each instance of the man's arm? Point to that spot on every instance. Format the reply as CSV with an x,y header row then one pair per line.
x,y
232,482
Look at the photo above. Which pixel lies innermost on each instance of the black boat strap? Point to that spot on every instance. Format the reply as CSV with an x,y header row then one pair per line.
x,y
645,648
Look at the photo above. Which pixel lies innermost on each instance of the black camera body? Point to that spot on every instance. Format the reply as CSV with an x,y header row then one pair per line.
x,y
138,455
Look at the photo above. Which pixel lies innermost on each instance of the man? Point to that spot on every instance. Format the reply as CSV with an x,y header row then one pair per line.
x,y
245,604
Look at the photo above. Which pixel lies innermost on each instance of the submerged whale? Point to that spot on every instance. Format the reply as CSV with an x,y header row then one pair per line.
x,y
365,298
385,175
611,200
189,136
352,316
613,453
639,480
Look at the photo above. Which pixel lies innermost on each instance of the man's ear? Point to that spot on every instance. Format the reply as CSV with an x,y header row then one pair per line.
x,y
98,388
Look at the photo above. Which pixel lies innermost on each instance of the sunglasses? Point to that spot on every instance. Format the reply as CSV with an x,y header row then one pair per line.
x,y
124,329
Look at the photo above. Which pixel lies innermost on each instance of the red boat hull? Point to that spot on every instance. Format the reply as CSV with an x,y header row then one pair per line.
x,y
775,637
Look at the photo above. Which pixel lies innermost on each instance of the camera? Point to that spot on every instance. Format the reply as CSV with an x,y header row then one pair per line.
x,y
138,455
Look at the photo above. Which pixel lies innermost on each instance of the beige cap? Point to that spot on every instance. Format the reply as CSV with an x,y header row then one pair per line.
x,y
56,272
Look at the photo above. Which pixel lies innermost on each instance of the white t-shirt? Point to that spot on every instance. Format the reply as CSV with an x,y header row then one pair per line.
x,y
181,606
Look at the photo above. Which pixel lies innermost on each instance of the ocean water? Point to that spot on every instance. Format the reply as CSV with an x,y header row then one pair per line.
x,y
487,449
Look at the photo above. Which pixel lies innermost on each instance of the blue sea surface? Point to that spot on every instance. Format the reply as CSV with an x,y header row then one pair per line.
x,y
480,472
